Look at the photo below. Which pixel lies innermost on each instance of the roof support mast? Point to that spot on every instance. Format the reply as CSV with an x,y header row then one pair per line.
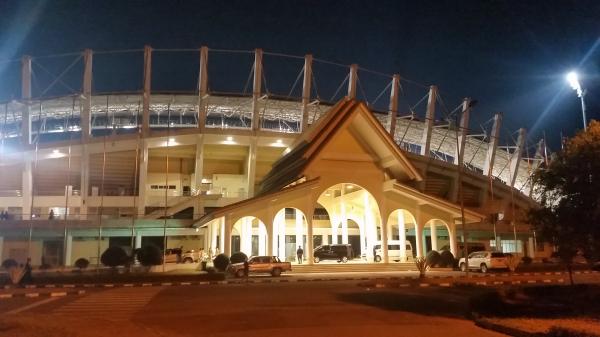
x,y
306,90
26,96
352,78
488,165
393,109
256,88
86,121
515,159
429,119
147,89
202,88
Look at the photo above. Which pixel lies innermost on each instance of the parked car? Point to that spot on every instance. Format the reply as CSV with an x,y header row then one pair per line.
x,y
484,261
261,264
393,251
172,255
339,252
191,256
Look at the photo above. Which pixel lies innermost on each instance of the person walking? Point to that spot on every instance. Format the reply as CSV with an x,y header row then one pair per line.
x,y
26,278
246,269
299,254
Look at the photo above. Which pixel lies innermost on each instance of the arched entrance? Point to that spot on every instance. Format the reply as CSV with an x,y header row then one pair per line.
x,y
290,231
437,236
347,214
249,235
402,245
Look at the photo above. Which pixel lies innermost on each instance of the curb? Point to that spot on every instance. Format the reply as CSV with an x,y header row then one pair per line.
x,y
504,329
50,294
461,282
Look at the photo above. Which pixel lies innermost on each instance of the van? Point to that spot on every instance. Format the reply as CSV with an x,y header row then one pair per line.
x,y
394,251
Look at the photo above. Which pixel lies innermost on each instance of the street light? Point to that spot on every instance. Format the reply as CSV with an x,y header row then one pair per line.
x,y
573,80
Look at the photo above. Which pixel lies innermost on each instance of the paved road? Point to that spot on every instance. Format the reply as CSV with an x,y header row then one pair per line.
x,y
286,309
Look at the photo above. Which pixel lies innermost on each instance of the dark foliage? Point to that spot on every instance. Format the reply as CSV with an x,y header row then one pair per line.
x,y
9,263
446,259
433,259
149,256
114,256
221,262
238,257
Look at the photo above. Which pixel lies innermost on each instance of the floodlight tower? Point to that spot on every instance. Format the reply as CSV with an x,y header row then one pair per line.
x,y
573,80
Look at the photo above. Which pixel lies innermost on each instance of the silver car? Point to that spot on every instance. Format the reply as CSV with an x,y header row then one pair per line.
x,y
484,261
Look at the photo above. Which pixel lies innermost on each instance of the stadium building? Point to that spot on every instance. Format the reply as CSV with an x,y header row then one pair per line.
x,y
383,163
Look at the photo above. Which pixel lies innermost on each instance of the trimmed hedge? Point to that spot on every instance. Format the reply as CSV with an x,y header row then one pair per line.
x,y
114,256
433,259
82,263
238,257
149,256
9,263
446,259
221,262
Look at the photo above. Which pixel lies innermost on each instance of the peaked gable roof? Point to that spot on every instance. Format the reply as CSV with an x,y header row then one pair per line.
x,y
341,116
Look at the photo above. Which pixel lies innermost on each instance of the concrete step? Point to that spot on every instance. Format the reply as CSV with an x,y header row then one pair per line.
x,y
352,267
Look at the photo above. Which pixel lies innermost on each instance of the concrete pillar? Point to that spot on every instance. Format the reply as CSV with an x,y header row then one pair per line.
x,y
225,236
393,109
419,239
281,231
363,236
269,238
384,241
334,233
452,237
530,248
198,173
433,233
68,250
344,219
138,240
299,228
251,166
352,79
402,235
308,250
214,233
262,239
86,101
27,189
306,85
429,121
203,88
143,177
147,90
370,227
256,88
26,97
463,131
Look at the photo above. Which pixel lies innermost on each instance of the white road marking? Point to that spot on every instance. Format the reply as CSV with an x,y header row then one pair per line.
x,y
30,306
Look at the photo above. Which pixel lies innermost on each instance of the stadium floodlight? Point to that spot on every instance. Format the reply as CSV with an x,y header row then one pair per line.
x,y
573,80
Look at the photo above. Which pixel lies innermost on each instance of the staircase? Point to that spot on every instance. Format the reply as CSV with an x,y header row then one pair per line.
x,y
187,202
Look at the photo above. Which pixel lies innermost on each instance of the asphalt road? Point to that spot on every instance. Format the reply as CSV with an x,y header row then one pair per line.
x,y
286,309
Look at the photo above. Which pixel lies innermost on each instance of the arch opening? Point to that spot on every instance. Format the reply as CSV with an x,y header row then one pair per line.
x,y
249,236
290,231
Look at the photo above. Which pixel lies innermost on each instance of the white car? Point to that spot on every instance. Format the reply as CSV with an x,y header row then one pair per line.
x,y
484,261
393,251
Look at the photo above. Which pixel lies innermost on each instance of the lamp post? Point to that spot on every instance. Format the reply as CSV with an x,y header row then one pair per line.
x,y
573,80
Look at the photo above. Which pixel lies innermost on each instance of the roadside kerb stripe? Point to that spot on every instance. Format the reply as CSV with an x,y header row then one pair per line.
x,y
38,294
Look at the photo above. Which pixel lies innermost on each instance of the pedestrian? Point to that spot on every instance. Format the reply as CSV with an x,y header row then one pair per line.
x,y
299,254
26,279
51,215
246,269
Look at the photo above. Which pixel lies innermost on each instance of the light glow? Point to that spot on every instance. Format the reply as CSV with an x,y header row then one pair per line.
x,y
573,80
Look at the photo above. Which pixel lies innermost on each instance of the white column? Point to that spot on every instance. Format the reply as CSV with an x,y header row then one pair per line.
x,y
27,190
452,236
251,166
363,236
242,227
530,248
308,250
402,235
214,233
334,233
68,250
419,239
138,240
344,221
262,239
198,173
299,228
224,247
433,231
370,228
281,226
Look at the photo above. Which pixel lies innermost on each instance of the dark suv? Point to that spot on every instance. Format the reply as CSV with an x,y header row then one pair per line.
x,y
341,253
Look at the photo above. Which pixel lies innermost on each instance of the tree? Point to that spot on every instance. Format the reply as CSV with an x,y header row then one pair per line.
x,y
114,256
569,193
150,256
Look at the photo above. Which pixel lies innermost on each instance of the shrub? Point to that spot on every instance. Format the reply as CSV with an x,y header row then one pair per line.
x,y
512,262
238,257
421,264
433,258
446,259
149,256
221,262
526,260
9,263
82,263
114,256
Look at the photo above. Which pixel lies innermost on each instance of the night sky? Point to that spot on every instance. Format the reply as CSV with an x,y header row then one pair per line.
x,y
509,55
